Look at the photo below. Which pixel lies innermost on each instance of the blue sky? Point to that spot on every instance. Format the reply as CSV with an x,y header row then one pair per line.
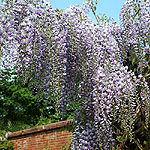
x,y
110,8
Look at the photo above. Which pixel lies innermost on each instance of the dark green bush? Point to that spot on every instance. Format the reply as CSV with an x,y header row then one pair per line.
x,y
19,107
4,143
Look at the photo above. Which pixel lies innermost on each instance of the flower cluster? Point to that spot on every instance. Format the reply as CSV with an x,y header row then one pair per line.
x,y
85,137
115,100
66,54
29,30
133,35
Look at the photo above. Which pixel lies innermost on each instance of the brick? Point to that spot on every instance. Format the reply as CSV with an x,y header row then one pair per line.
x,y
53,136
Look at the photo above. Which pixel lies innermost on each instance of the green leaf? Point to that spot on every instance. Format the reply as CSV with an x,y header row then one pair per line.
x,y
13,88
133,60
138,144
145,142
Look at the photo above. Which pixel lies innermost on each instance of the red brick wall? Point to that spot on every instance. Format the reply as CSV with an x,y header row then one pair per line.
x,y
53,136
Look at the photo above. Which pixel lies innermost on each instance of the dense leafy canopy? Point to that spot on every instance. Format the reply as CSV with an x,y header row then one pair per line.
x,y
104,68
19,107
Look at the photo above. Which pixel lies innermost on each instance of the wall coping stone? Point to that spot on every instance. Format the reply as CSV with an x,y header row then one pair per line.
x,y
42,128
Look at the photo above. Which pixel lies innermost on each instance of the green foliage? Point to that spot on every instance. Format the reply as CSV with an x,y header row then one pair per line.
x,y
21,109
4,143
17,103
45,120
69,114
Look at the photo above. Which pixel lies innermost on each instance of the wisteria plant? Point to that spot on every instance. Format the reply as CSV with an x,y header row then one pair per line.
x,y
102,67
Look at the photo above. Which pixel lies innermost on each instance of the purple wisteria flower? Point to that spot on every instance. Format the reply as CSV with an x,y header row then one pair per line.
x,y
69,56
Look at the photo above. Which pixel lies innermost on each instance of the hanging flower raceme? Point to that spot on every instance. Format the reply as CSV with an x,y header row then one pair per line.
x,y
30,30
133,37
115,100
70,56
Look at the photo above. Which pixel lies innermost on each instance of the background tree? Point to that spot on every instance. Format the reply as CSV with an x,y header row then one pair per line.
x,y
19,107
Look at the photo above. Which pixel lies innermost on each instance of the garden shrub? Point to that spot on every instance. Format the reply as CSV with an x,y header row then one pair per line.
x,y
4,143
